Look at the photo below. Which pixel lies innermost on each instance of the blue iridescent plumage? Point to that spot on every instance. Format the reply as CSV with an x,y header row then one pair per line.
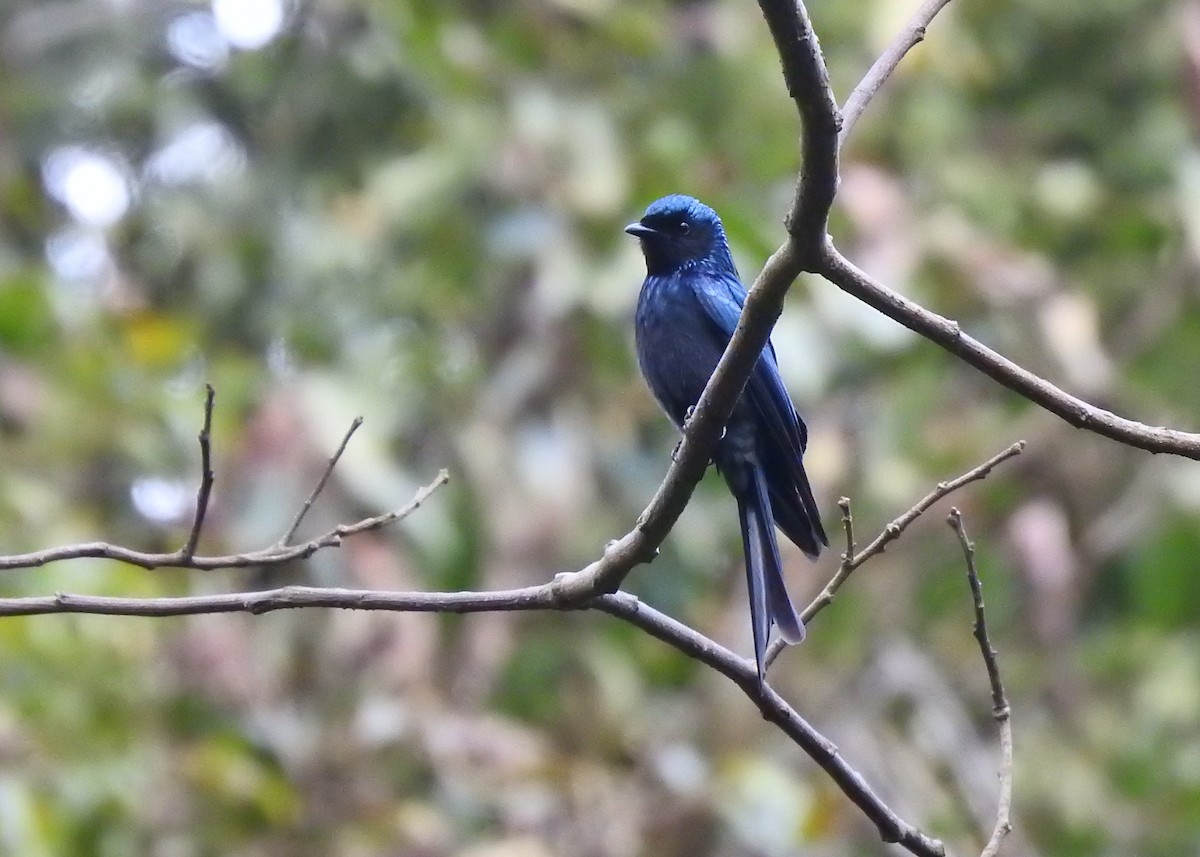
x,y
687,311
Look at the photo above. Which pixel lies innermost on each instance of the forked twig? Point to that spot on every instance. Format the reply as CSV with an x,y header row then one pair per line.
x,y
320,486
851,560
893,530
186,557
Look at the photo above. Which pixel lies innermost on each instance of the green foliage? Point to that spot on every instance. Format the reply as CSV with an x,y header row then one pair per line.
x,y
413,211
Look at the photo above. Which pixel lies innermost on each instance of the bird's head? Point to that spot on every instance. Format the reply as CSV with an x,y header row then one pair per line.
x,y
679,231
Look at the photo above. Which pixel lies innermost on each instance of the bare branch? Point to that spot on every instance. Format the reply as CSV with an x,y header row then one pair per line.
x,y
806,249
1000,708
622,605
908,38
807,82
893,530
946,333
320,486
775,709
284,598
206,476
850,561
269,556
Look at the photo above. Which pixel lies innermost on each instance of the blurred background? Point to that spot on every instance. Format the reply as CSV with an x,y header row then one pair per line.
x,y
413,211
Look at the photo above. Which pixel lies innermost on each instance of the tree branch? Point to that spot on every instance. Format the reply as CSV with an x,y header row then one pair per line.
x,y
852,561
807,82
947,333
274,555
546,596
206,476
776,710
1000,708
320,486
541,597
283,598
908,38
893,530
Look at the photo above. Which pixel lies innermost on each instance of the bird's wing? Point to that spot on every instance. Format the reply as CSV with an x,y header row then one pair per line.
x,y
784,437
722,298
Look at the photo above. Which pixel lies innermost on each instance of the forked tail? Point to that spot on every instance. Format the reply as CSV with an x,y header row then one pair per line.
x,y
769,599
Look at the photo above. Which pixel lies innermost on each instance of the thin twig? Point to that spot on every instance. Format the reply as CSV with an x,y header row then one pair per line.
x,y
1000,707
333,460
908,38
206,476
893,530
847,528
274,555
850,561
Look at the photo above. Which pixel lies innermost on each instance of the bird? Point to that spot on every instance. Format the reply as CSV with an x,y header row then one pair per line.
x,y
687,311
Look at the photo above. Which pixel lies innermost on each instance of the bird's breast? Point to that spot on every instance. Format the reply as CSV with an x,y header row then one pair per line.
x,y
676,349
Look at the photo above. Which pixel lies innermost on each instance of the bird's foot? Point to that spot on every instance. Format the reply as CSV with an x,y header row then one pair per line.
x,y
687,419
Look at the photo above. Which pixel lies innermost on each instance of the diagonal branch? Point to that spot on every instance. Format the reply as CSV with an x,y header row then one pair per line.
x,y
320,486
893,530
947,333
775,710
908,38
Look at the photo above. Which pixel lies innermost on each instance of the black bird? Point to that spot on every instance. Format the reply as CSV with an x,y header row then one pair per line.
x,y
686,313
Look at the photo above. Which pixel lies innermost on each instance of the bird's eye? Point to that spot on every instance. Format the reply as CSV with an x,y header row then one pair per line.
x,y
683,227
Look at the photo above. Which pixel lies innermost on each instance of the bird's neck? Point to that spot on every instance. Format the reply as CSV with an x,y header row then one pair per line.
x,y
719,262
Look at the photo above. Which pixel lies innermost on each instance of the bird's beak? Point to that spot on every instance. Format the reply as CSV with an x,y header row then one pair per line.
x,y
640,230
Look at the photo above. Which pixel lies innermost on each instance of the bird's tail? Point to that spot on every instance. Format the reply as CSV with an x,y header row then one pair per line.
x,y
769,599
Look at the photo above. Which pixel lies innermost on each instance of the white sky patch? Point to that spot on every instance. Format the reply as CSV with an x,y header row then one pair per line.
x,y
160,500
201,152
93,185
78,255
195,39
248,24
